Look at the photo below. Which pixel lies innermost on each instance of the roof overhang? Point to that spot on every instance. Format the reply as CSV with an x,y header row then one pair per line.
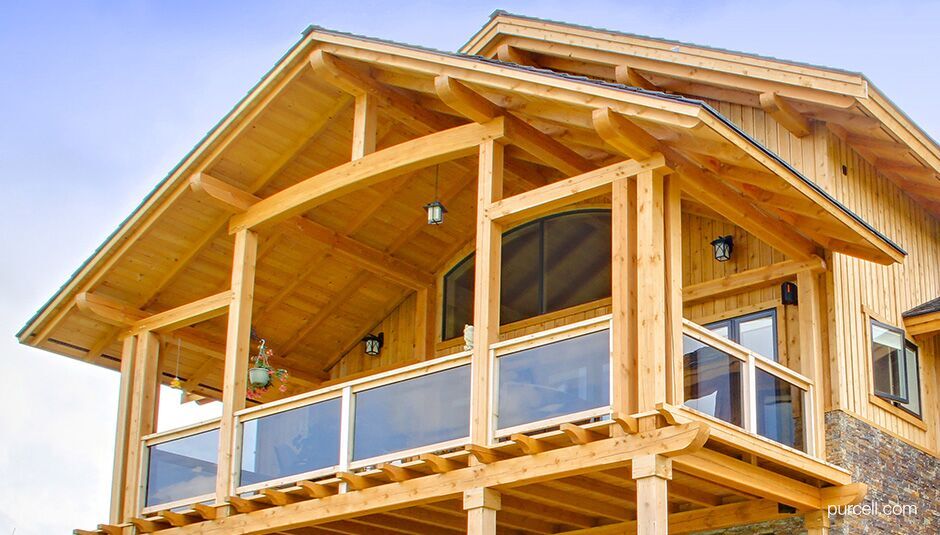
x,y
824,222
924,319
847,102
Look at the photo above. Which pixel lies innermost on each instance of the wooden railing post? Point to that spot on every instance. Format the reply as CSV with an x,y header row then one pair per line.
x,y
652,474
237,347
623,297
651,291
141,420
811,357
121,444
486,292
481,505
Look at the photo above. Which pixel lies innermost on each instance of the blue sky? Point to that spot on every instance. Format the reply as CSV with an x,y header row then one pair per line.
x,y
101,99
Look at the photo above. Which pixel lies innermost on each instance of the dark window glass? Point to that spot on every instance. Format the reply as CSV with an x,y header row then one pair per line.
x,y
888,362
912,361
520,291
547,265
757,332
577,259
292,442
458,298
779,410
712,381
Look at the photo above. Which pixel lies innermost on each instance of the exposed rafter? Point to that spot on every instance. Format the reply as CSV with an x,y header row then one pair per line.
x,y
785,114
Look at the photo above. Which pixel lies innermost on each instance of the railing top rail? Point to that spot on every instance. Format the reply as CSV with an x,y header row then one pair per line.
x,y
554,334
181,432
361,383
742,353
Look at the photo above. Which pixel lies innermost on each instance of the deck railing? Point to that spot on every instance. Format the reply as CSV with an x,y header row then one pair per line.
x,y
540,381
179,466
727,381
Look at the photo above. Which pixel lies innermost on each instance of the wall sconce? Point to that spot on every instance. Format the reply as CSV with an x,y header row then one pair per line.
x,y
373,344
435,208
723,246
789,294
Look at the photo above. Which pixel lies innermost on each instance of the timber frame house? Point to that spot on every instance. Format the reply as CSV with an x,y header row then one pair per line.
x,y
687,394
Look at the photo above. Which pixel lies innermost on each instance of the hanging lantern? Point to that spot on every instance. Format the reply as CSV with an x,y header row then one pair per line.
x,y
723,246
435,208
373,344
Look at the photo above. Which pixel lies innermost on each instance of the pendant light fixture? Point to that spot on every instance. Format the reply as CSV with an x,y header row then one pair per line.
x,y
435,208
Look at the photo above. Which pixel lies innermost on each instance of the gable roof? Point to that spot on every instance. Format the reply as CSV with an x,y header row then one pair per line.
x,y
389,61
853,108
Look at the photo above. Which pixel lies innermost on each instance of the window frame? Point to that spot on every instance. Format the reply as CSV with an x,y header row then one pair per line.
x,y
902,367
920,399
734,329
541,262
885,404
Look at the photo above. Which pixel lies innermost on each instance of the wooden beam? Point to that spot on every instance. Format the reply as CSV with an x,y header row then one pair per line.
x,y
785,114
672,230
108,310
237,347
707,519
481,505
371,169
745,281
627,75
748,478
923,324
511,54
623,301
358,253
531,445
476,107
365,120
543,200
185,315
812,359
357,83
142,419
487,290
651,293
579,435
121,438
705,186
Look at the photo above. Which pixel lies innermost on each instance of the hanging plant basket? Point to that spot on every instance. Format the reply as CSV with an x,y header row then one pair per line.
x,y
259,377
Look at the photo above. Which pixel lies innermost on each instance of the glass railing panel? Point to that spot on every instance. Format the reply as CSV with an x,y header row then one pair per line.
x,y
553,380
779,408
183,468
289,443
713,381
425,410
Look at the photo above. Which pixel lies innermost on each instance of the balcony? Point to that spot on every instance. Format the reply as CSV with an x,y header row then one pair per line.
x,y
549,389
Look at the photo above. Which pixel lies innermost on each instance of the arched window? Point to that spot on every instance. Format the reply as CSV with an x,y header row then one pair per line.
x,y
548,264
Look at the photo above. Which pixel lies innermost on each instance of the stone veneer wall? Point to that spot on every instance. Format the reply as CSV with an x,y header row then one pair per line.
x,y
897,474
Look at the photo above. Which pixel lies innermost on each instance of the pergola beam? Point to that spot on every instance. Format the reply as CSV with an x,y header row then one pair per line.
x,y
478,108
397,160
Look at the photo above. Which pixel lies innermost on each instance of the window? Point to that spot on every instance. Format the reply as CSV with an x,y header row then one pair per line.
x,y
549,264
895,368
757,332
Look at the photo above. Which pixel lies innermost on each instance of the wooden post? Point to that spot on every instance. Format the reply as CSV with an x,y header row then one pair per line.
x,y
652,474
651,292
364,126
811,356
816,522
142,418
674,304
623,296
237,347
125,391
481,506
486,293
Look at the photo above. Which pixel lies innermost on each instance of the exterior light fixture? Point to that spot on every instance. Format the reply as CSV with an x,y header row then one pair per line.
x,y
789,294
435,208
373,344
723,246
